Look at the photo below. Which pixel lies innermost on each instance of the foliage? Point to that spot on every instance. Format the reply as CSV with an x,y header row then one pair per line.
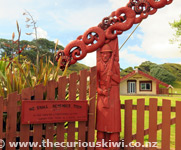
x,y
175,69
3,65
46,49
146,66
162,74
20,76
77,67
23,72
126,71
177,26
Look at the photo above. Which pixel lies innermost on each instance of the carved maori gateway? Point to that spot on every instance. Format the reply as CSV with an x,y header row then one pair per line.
x,y
103,39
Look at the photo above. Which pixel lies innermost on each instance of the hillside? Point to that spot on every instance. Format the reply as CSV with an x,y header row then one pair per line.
x,y
175,69
76,68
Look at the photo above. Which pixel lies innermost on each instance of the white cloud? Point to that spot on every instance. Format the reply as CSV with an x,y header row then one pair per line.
x,y
139,36
118,3
7,10
41,33
89,60
131,58
157,32
135,48
13,10
59,42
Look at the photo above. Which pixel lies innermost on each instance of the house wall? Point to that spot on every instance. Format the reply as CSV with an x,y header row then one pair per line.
x,y
138,78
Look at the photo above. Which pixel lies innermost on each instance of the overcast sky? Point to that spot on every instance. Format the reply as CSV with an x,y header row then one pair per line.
x,y
65,20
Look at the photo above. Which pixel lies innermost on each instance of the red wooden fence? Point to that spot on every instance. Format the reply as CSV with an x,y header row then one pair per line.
x,y
76,87
165,126
164,91
83,87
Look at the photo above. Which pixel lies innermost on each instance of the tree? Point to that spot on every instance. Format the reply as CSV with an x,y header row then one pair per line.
x,y
177,36
5,46
146,66
126,71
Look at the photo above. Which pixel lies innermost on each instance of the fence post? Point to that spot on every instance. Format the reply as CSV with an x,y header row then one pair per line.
x,y
178,126
166,112
140,122
128,124
62,83
24,128
49,132
11,119
82,96
72,96
92,107
152,122
37,134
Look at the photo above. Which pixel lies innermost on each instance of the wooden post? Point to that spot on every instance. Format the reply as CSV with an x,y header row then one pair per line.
x,y
128,124
178,126
140,122
91,113
153,122
61,96
82,96
166,114
24,128
37,134
49,132
11,120
72,96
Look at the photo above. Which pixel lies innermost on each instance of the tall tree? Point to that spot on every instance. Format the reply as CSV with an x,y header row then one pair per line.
x,y
146,66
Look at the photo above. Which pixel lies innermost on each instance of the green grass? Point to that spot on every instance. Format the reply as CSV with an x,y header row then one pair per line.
x,y
146,123
177,84
177,87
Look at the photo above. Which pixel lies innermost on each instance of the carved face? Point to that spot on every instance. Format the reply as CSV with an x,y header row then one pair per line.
x,y
105,56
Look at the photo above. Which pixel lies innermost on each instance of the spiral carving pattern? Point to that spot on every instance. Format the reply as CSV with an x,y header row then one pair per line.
x,y
119,21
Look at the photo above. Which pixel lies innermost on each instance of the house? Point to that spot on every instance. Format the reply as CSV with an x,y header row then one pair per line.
x,y
140,83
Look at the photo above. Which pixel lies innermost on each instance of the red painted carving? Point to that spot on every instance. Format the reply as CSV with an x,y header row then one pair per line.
x,y
103,39
108,122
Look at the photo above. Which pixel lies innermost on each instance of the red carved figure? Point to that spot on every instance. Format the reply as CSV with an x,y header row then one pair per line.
x,y
108,103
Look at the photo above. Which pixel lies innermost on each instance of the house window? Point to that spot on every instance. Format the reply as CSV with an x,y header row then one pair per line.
x,y
131,86
145,85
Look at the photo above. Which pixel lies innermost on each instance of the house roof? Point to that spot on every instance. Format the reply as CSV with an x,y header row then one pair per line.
x,y
143,74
